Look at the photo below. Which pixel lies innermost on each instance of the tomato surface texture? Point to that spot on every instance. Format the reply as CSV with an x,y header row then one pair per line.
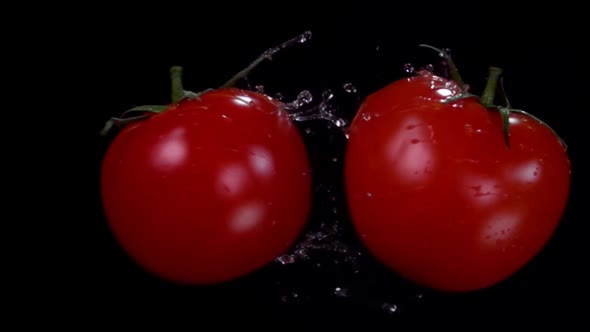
x,y
209,190
437,196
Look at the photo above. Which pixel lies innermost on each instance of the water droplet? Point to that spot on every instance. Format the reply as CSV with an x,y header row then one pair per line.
x,y
279,96
308,130
305,36
447,51
369,194
535,173
429,67
327,95
305,97
340,123
347,133
409,68
415,141
389,308
410,127
349,87
335,210
334,159
366,116
341,292
225,117
259,88
419,296
286,259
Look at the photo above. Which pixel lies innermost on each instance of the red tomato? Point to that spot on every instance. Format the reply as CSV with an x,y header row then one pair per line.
x,y
437,196
210,190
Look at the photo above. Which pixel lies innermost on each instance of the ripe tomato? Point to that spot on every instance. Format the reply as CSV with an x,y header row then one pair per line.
x,y
208,190
437,196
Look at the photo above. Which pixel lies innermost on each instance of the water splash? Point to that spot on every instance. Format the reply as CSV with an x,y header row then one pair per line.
x,y
324,110
390,308
291,297
303,98
409,68
321,242
341,292
304,37
286,259
259,88
429,68
349,88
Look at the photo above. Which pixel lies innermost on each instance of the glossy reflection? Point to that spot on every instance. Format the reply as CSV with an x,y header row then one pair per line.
x,y
409,152
499,227
261,161
527,172
171,151
231,180
247,216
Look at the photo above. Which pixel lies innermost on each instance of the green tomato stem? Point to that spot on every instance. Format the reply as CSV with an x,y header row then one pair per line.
x,y
177,88
489,93
266,55
455,76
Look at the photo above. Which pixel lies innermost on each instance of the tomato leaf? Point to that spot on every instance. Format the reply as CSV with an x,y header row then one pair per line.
x,y
192,95
125,117
143,109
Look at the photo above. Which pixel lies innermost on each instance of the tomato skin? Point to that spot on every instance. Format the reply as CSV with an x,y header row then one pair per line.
x,y
437,196
210,190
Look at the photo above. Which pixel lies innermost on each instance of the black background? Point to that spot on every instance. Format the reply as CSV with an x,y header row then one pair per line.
x,y
122,59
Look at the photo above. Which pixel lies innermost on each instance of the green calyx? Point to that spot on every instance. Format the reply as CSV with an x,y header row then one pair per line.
x,y
179,94
452,67
488,97
143,112
494,84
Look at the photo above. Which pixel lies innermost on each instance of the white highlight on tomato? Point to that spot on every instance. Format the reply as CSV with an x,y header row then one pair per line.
x,y
410,152
261,161
527,173
247,216
172,151
242,101
499,227
231,180
444,92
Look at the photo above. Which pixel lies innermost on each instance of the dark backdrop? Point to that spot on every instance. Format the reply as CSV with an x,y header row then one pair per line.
x,y
123,58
